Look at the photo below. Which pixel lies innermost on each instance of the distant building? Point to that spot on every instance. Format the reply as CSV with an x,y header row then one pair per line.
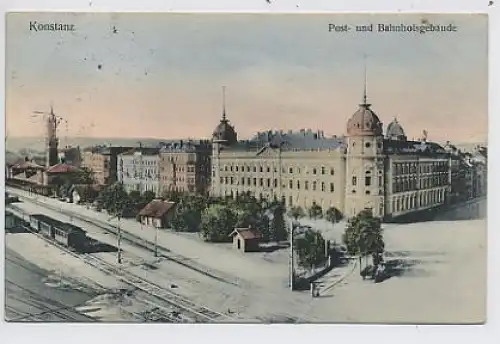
x,y
138,170
71,156
185,166
389,174
102,161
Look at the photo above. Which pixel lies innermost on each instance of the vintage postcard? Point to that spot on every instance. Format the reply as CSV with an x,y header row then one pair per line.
x,y
246,168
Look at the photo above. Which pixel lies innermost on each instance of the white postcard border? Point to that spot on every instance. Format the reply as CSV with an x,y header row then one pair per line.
x,y
52,333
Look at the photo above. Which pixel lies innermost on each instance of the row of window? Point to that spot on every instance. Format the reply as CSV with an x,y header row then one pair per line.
x,y
414,184
411,167
268,182
368,180
322,170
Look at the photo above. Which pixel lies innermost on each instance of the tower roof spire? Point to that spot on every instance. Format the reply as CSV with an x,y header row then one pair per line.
x,y
224,104
364,101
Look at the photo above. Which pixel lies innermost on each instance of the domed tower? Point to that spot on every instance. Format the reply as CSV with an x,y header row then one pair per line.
x,y
223,135
395,131
364,162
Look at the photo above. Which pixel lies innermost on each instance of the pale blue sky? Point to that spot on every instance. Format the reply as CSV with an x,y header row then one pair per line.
x,y
162,74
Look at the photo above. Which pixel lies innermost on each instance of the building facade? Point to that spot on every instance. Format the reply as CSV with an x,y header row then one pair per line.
x,y
387,173
138,170
185,167
103,162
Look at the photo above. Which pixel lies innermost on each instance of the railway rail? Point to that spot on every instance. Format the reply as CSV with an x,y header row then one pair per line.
x,y
138,242
183,310
49,308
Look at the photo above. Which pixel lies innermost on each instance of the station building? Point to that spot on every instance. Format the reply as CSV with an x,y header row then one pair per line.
x,y
366,168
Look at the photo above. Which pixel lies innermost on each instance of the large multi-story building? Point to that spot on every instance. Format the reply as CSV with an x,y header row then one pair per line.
x,y
138,170
389,174
185,166
102,161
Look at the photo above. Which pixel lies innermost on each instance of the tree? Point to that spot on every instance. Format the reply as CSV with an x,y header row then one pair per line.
x,y
88,194
217,222
115,200
278,226
85,176
188,213
363,236
148,196
172,195
296,213
315,212
310,249
333,215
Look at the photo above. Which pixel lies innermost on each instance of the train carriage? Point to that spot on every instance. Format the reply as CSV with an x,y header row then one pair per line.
x,y
43,224
70,236
34,223
64,233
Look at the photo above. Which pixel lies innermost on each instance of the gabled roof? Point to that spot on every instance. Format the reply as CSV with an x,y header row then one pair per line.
x,y
157,208
62,168
246,233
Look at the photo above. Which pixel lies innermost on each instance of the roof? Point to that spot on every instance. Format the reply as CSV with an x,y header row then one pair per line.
x,y
28,164
143,151
415,147
224,132
394,129
364,122
62,168
157,208
303,140
246,233
184,146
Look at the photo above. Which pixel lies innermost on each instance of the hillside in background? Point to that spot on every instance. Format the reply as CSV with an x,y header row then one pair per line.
x,y
36,145
15,144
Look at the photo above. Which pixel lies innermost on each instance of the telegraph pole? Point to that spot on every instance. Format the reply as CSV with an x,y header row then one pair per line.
x,y
119,241
156,241
141,167
292,264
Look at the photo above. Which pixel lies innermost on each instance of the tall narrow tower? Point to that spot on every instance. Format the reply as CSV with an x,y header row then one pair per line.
x,y
364,161
52,141
224,135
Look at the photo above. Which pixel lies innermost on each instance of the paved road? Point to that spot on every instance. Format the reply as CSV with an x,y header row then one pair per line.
x,y
28,298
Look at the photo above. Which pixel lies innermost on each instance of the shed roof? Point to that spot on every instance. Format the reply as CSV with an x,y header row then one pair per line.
x,y
246,233
157,208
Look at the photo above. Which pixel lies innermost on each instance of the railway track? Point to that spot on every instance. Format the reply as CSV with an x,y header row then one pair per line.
x,y
138,242
49,308
199,313
182,309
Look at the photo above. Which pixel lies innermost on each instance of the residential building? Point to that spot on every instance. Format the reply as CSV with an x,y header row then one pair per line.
x,y
102,161
389,174
139,170
185,166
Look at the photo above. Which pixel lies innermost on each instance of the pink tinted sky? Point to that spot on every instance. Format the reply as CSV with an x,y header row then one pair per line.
x,y
161,74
